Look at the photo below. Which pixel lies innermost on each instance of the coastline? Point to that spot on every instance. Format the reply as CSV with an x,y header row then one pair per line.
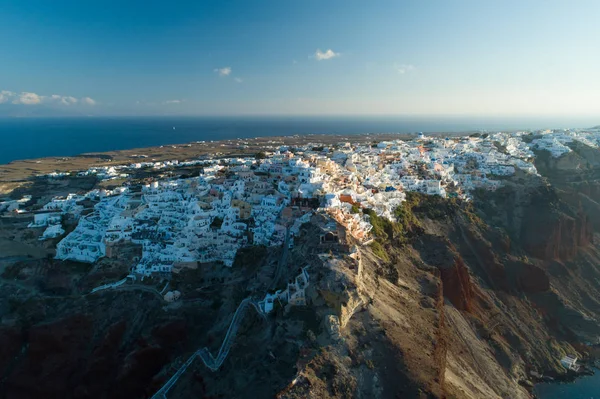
x,y
567,384
38,138
19,172
589,367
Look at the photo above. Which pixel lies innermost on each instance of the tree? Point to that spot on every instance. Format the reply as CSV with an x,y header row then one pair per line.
x,y
260,155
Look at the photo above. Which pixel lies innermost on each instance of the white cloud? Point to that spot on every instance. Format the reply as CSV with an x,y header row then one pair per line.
x,y
173,102
69,100
239,80
64,100
225,71
404,68
5,95
27,98
88,101
327,55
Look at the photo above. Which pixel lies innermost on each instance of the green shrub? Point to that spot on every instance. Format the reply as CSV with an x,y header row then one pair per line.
x,y
405,216
432,206
379,251
382,228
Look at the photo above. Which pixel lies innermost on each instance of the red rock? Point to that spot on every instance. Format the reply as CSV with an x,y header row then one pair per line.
x,y
457,286
556,236
53,360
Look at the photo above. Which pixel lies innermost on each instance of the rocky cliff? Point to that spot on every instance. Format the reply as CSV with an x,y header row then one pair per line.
x,y
478,297
457,300
549,232
82,354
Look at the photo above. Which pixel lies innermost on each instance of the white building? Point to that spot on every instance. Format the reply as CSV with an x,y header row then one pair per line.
x,y
570,363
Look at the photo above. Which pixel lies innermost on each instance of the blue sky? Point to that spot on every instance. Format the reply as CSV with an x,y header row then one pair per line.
x,y
528,57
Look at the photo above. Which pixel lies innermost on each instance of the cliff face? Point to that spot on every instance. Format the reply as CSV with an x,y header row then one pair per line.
x,y
531,279
555,236
561,217
480,296
456,282
457,285
465,306
512,300
86,354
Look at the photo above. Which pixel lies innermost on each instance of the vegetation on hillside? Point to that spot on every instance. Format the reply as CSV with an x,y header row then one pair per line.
x,y
403,227
407,224
379,251
382,228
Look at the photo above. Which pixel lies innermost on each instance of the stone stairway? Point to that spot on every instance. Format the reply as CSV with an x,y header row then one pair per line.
x,y
213,363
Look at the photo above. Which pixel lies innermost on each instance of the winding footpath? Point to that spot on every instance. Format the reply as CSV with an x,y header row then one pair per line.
x,y
210,361
213,363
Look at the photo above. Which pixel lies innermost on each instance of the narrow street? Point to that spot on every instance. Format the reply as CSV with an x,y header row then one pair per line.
x,y
282,261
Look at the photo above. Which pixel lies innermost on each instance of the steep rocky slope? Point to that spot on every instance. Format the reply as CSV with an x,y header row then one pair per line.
x,y
473,298
452,300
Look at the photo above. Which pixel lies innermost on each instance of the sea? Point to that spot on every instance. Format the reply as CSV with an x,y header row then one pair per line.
x,y
587,387
27,138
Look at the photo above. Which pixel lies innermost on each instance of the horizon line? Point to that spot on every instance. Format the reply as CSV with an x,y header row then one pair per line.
x,y
333,115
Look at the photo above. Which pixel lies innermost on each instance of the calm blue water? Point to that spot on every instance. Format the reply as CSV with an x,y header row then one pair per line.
x,y
587,387
26,138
